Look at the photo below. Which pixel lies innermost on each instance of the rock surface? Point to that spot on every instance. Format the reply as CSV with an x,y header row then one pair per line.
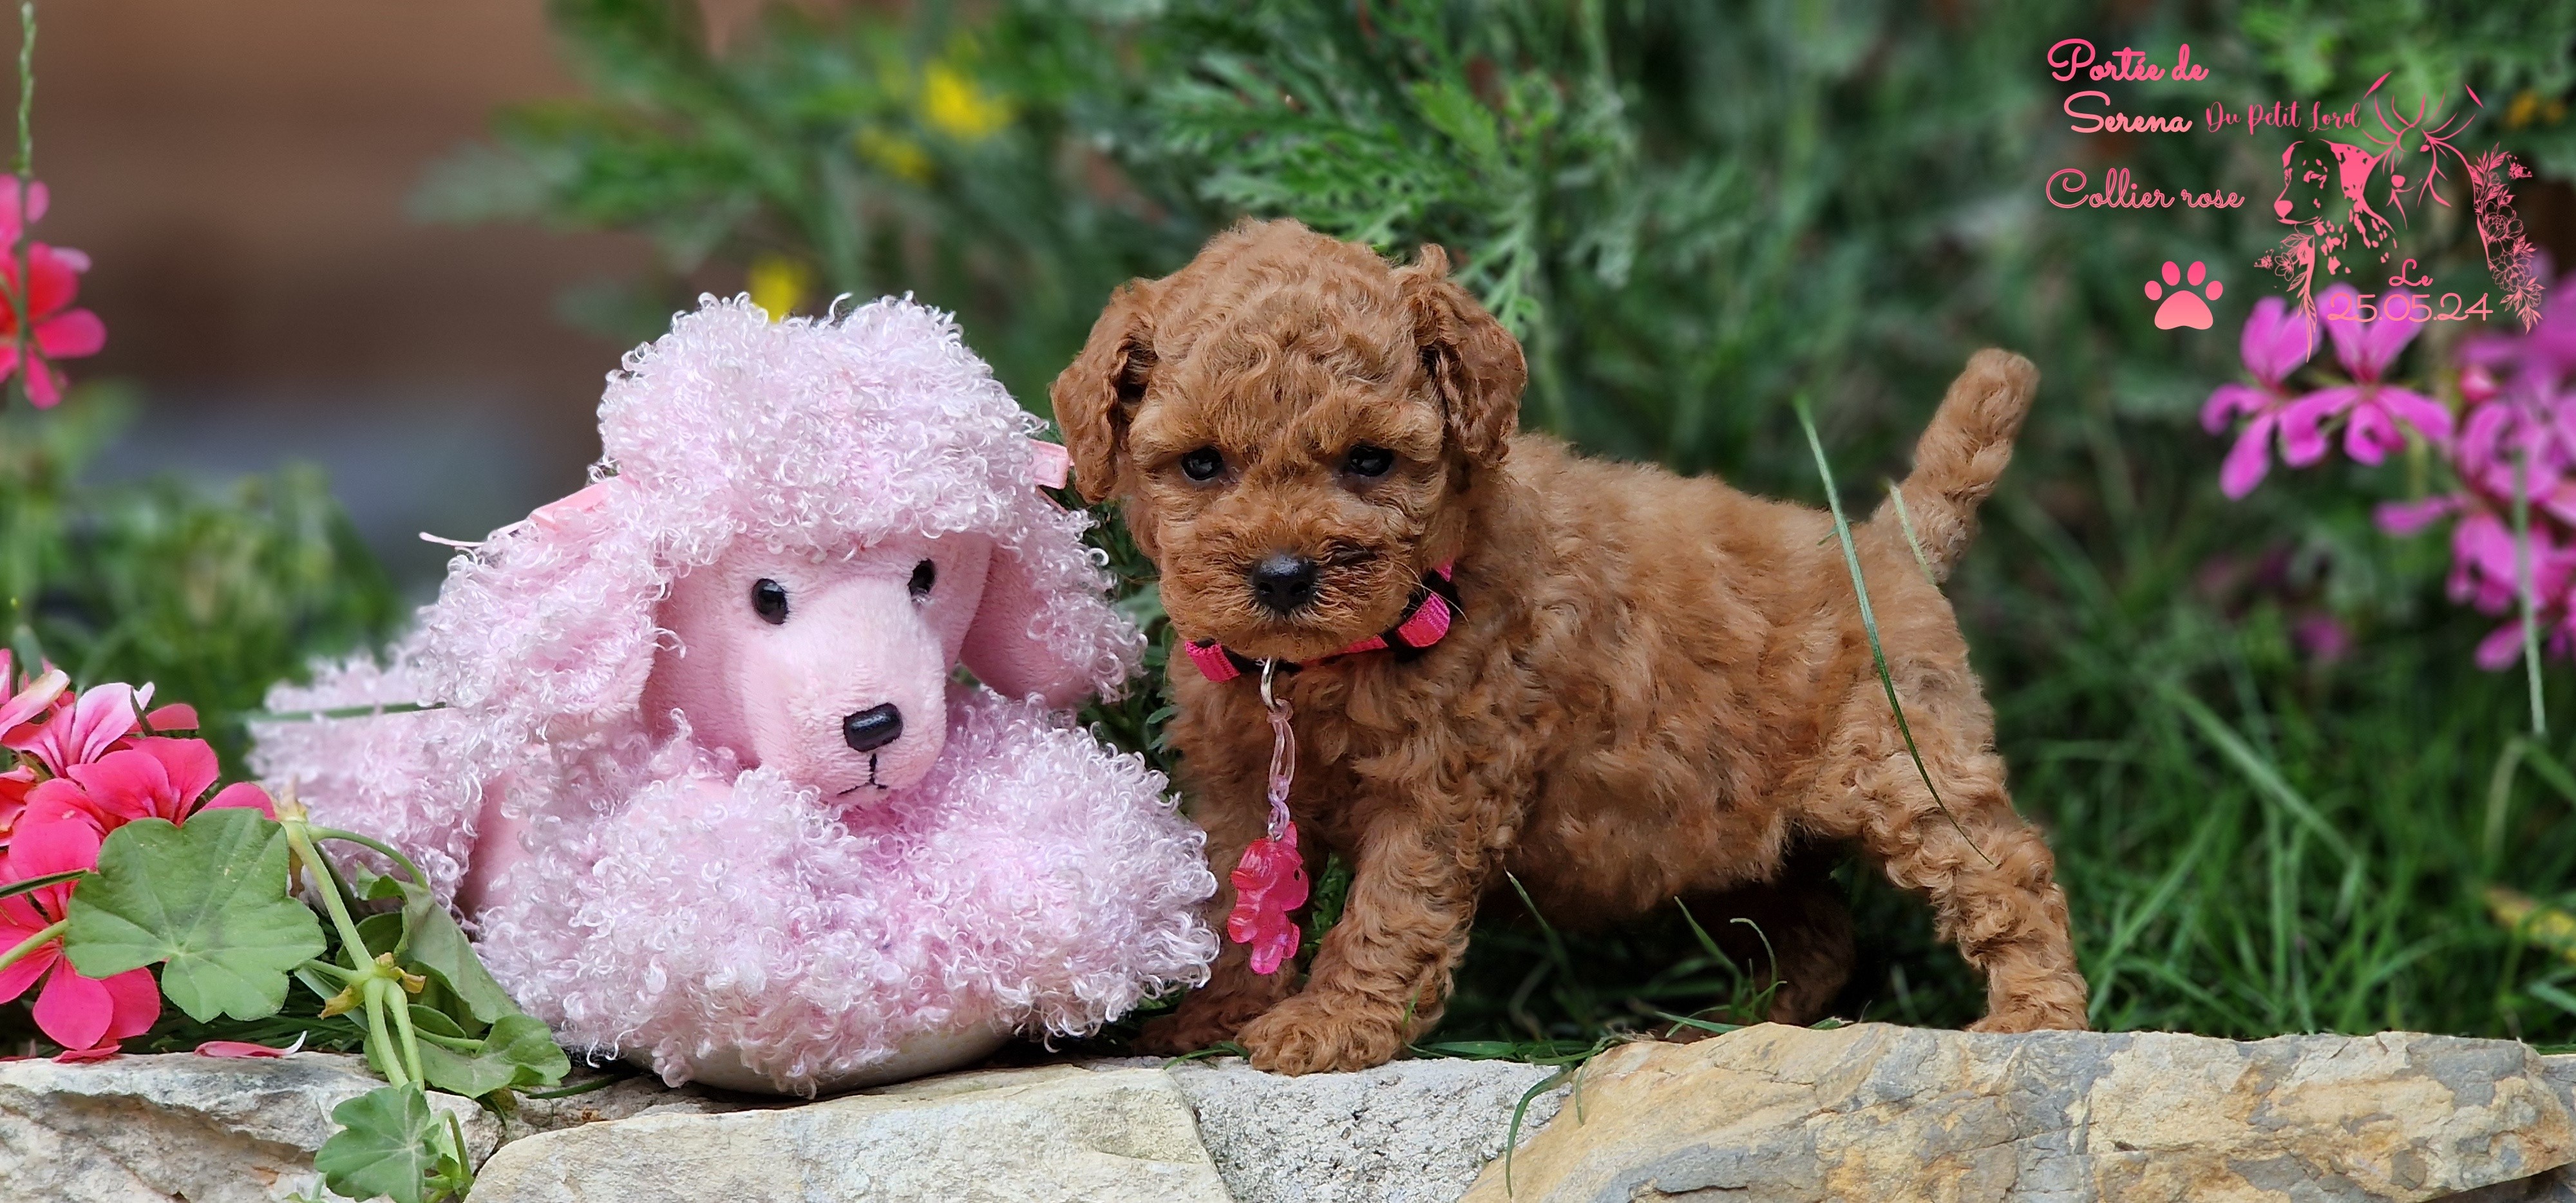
x,y
152,1129
1410,1132
623,1099
1007,1136
1765,1114
1877,1112
2556,1186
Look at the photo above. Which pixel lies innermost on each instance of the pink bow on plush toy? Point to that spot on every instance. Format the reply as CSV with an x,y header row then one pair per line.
x,y
705,777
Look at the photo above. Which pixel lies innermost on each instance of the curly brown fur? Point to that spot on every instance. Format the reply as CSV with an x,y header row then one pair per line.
x,y
1658,687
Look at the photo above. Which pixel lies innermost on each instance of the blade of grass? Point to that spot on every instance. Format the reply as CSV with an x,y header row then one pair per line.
x,y
1761,1001
2552,995
565,1092
368,710
32,884
2126,930
2266,779
2500,802
1555,943
1869,623
1704,1025
1905,522
1222,1048
1707,942
2550,770
2526,589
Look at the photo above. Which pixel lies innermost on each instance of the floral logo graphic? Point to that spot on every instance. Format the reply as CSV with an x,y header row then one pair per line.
x,y
2343,200
2182,306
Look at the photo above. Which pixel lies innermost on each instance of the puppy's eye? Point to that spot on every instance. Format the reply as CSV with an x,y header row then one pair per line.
x,y
769,601
1367,460
924,575
1202,464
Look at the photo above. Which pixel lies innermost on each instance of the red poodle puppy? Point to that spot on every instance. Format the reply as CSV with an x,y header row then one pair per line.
x,y
1650,687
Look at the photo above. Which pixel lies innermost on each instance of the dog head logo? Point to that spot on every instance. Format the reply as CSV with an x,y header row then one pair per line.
x,y
2344,200
1289,426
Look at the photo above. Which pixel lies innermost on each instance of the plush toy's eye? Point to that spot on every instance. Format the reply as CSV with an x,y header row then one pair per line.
x,y
1202,464
1367,460
924,575
769,600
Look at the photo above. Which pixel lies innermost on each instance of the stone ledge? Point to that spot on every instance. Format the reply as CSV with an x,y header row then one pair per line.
x,y
204,1129
1765,1114
1777,1114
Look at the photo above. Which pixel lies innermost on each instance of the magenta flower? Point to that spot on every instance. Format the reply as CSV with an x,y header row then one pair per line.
x,y
2484,575
2372,410
2276,342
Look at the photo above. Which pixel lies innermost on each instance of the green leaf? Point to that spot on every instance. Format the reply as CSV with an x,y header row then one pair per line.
x,y
209,899
382,1147
518,1054
383,933
457,1073
439,950
526,1043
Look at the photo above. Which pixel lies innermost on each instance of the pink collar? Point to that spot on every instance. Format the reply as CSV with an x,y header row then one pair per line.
x,y
1425,619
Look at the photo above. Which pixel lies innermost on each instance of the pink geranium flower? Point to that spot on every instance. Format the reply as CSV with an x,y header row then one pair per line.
x,y
2372,410
2275,343
30,702
57,331
155,778
32,699
81,730
79,1013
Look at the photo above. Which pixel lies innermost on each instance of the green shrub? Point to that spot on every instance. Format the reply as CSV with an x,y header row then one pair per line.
x,y
209,594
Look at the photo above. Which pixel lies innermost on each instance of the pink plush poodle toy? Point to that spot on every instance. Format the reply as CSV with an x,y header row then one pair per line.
x,y
701,772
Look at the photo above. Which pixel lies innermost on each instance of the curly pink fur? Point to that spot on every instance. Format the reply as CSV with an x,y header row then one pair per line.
x,y
673,905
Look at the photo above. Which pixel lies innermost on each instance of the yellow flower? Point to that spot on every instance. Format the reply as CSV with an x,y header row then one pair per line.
x,y
778,284
954,105
2523,109
897,155
2535,921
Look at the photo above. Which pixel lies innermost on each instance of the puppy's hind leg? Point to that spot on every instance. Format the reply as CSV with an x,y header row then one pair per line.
x,y
1990,877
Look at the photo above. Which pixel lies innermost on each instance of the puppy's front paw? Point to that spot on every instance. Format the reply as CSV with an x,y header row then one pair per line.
x,y
1307,1035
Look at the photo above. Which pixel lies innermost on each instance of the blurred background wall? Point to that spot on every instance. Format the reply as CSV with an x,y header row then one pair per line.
x,y
238,171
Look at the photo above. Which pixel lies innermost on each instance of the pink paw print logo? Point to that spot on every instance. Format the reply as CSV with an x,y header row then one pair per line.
x,y
2184,307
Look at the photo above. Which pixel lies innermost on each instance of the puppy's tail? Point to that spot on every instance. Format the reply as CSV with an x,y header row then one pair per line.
x,y
1960,456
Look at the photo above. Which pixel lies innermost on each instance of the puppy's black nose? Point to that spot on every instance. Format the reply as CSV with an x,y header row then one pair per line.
x,y
873,728
1282,582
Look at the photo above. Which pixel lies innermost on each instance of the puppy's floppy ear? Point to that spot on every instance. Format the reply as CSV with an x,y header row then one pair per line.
x,y
1475,365
1096,395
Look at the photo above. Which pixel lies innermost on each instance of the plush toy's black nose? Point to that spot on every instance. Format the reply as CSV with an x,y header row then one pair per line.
x,y
1282,582
873,728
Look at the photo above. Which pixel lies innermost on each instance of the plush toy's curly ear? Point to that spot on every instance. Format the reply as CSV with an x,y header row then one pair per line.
x,y
549,624
1474,365
1098,392
1044,626
1006,648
